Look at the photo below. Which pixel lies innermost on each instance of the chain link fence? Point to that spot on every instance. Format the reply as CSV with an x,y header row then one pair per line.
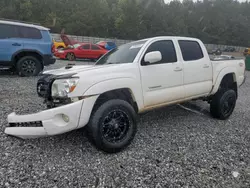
x,y
120,42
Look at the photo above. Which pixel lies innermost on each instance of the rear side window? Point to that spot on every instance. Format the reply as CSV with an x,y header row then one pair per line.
x,y
8,31
29,33
190,50
167,49
86,47
94,47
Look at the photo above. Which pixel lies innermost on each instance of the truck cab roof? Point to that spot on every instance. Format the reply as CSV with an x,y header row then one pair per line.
x,y
169,37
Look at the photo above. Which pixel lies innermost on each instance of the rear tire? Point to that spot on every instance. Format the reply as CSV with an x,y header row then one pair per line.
x,y
112,126
223,104
29,66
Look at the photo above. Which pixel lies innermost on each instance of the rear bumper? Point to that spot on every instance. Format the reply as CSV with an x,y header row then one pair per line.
x,y
48,60
60,55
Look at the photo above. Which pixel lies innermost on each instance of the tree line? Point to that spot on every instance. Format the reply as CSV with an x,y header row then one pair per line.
x,y
213,21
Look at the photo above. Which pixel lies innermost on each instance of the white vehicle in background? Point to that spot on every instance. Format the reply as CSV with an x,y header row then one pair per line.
x,y
133,78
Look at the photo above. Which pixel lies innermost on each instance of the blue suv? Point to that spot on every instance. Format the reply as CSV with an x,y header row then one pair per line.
x,y
25,48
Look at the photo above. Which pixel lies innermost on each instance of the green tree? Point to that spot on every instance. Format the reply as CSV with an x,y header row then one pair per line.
x,y
218,21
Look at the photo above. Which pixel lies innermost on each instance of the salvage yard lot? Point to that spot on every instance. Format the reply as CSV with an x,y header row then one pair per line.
x,y
175,146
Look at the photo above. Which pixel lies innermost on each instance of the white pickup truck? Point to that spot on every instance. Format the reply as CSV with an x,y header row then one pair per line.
x,y
135,77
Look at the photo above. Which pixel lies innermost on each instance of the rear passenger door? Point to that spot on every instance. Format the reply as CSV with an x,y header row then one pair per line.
x,y
162,82
197,69
10,42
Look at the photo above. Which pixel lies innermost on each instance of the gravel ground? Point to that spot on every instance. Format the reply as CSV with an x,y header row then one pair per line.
x,y
174,147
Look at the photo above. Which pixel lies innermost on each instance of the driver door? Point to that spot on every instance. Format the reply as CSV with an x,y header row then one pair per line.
x,y
84,51
162,82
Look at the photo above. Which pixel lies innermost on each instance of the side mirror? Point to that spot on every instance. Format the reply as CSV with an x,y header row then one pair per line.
x,y
153,57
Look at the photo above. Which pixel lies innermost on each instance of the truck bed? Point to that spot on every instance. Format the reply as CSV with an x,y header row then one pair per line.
x,y
224,57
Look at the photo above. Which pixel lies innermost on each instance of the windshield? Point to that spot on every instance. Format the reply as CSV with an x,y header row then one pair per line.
x,y
123,54
76,45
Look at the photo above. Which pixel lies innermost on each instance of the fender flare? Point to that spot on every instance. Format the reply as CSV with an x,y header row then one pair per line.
x,y
221,75
24,50
114,84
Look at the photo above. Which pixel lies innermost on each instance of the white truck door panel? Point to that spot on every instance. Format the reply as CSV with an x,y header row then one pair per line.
x,y
197,69
162,82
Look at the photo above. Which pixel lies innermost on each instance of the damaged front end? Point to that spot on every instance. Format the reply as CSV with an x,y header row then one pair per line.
x,y
61,116
44,90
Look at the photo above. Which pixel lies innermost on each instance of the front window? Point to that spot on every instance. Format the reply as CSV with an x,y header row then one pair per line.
x,y
167,49
123,54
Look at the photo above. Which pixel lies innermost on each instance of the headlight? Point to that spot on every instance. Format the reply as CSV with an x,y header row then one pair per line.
x,y
60,51
62,87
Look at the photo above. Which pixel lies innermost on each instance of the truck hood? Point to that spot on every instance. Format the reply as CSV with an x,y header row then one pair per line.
x,y
90,75
75,69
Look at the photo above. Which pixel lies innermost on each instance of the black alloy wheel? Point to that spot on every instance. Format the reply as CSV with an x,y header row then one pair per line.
x,y
115,126
29,66
112,125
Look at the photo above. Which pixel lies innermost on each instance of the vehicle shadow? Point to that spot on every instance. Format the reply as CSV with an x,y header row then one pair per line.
x,y
7,72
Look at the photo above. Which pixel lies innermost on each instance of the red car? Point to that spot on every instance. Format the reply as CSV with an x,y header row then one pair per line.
x,y
81,51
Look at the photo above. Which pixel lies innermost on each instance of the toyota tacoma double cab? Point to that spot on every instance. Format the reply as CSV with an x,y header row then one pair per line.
x,y
25,48
131,79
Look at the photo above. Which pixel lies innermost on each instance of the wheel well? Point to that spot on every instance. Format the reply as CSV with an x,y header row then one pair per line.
x,y
123,94
70,53
229,82
23,54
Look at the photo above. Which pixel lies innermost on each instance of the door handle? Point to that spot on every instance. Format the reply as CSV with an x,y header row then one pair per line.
x,y
16,44
178,69
206,66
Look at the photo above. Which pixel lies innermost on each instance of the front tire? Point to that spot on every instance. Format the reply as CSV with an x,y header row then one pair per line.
x,y
29,66
223,104
71,56
113,126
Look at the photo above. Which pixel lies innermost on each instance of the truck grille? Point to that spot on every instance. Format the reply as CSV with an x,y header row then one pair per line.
x,y
27,124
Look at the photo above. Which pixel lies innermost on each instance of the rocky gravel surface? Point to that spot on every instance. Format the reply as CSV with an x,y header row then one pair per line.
x,y
174,147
